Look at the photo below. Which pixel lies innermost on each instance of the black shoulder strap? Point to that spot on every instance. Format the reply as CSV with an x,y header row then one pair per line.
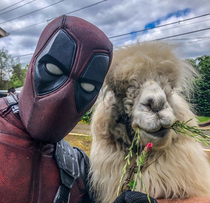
x,y
84,164
12,100
69,170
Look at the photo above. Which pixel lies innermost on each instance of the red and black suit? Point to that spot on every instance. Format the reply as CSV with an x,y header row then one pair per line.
x,y
63,80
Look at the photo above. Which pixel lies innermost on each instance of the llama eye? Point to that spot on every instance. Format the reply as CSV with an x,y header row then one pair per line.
x,y
87,86
53,69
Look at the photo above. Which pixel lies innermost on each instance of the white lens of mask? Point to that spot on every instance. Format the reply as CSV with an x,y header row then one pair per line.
x,y
87,86
53,69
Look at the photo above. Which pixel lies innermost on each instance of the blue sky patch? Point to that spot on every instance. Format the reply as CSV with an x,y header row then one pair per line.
x,y
155,23
133,35
177,14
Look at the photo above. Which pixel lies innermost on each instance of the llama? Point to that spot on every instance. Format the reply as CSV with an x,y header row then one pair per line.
x,y
146,87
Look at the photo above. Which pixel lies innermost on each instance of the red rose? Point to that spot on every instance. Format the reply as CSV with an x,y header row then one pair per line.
x,y
148,147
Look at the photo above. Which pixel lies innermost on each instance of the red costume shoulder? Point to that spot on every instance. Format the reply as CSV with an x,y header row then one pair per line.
x,y
63,81
28,169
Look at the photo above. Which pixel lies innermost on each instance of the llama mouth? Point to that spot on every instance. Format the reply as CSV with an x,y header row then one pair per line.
x,y
162,132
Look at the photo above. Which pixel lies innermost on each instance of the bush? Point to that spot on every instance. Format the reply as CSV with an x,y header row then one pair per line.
x,y
87,117
202,92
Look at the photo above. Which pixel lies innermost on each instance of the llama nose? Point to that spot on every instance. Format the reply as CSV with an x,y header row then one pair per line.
x,y
153,97
156,104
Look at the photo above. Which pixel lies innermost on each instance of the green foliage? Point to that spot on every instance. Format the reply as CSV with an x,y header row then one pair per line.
x,y
202,92
199,135
18,76
11,72
87,117
140,162
132,185
6,63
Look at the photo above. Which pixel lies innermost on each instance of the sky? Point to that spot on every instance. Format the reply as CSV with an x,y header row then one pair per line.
x,y
182,22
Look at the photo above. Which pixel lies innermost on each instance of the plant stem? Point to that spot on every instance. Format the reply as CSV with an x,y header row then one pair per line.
x,y
191,131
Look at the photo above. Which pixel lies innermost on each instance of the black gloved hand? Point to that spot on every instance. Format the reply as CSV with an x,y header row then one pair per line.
x,y
133,197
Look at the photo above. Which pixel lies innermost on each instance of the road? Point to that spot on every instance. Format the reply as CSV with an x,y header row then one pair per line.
x,y
81,128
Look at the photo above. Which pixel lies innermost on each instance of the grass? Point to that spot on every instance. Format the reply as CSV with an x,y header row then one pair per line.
x,y
191,131
83,142
202,119
83,122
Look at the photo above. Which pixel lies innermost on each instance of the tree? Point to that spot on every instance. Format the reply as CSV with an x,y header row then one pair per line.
x,y
11,73
18,76
6,62
202,92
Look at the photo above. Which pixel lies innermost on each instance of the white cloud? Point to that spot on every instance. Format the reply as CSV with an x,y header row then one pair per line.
x,y
114,17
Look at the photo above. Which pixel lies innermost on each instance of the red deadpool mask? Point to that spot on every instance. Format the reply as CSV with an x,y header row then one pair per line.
x,y
64,77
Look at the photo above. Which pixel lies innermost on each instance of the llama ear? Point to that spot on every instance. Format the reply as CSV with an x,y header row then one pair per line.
x,y
171,70
167,63
109,84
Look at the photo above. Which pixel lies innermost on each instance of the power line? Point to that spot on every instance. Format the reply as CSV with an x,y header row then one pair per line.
x,y
57,16
80,9
197,38
159,26
11,5
51,19
190,40
17,7
32,12
23,55
169,28
195,31
186,33
86,7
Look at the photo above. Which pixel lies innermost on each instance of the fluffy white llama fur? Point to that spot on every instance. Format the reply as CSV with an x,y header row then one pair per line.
x,y
140,74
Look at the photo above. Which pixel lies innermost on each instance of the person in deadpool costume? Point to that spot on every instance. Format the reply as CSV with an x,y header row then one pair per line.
x,y
63,80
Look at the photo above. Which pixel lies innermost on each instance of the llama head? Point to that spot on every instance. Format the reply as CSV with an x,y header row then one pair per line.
x,y
146,85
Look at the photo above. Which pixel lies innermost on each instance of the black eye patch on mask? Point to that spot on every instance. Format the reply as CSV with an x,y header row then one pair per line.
x,y
54,64
89,83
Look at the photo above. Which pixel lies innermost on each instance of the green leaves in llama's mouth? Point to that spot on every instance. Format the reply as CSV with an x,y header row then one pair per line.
x,y
199,135
141,159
